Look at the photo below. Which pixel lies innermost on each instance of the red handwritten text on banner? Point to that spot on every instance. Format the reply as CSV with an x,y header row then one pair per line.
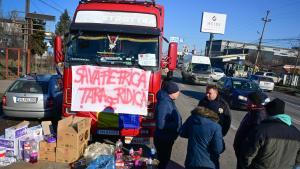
x,y
123,89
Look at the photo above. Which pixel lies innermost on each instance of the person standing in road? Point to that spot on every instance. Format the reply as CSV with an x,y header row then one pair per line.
x,y
168,122
214,102
256,114
205,140
275,143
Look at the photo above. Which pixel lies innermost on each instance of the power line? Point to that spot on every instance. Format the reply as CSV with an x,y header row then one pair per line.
x,y
58,5
53,7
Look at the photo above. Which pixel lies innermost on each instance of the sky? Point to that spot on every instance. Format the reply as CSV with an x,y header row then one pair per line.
x,y
183,18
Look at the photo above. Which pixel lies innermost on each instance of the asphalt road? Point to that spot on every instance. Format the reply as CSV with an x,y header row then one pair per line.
x,y
191,94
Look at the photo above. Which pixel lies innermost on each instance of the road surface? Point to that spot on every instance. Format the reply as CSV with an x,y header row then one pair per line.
x,y
191,94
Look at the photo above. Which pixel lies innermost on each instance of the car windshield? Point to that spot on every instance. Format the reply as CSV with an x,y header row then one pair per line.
x,y
201,68
123,50
244,85
29,86
259,73
266,79
218,70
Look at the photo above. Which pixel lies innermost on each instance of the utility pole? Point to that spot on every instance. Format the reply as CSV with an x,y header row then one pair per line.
x,y
266,20
296,64
1,10
26,37
211,37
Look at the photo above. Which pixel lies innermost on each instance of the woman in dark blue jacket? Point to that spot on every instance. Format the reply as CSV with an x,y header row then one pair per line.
x,y
205,139
168,122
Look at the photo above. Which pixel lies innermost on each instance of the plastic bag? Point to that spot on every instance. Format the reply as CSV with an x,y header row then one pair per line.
x,y
103,162
94,150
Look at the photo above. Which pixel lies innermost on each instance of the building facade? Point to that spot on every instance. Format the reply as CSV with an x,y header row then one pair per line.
x,y
270,56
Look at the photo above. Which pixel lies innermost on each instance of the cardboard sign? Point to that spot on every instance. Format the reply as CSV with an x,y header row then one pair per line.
x,y
98,89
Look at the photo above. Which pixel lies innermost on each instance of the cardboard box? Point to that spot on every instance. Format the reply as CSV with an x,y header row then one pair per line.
x,y
47,128
45,146
47,155
69,155
11,146
73,134
36,132
16,131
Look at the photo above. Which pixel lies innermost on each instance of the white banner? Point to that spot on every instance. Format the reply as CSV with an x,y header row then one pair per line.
x,y
98,89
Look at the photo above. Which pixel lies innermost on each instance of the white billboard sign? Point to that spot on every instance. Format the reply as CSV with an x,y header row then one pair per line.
x,y
213,23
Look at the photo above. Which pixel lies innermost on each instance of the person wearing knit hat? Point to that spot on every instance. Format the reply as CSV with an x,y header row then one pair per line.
x,y
274,143
168,122
256,113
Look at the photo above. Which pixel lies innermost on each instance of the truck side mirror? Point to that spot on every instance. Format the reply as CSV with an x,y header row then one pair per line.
x,y
172,56
58,50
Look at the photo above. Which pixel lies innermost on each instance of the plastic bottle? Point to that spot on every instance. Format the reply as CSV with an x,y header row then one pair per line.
x,y
152,152
26,151
33,152
131,152
119,145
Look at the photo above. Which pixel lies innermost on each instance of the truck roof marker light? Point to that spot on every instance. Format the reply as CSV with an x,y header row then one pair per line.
x,y
145,2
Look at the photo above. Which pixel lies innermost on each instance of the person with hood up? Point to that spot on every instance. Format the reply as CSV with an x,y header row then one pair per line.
x,y
168,122
216,103
256,114
205,139
274,143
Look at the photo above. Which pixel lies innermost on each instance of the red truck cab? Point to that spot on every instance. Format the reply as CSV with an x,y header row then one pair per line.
x,y
115,35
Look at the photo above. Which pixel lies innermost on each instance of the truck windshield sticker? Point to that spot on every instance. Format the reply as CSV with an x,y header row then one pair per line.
x,y
112,41
125,90
147,59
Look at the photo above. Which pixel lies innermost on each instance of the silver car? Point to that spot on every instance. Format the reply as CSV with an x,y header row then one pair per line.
x,y
34,96
265,83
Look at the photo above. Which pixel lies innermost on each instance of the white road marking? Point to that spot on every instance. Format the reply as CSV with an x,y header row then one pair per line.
x,y
285,99
292,104
296,121
233,127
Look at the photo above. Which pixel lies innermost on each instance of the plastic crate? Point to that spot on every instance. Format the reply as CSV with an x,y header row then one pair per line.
x,y
129,121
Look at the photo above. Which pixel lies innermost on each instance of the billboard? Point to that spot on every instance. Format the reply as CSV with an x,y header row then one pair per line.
x,y
213,23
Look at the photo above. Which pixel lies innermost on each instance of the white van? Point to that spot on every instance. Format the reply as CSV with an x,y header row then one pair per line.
x,y
196,69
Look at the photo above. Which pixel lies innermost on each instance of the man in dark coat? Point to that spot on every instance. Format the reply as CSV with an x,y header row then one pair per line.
x,y
273,144
205,139
168,122
217,104
256,114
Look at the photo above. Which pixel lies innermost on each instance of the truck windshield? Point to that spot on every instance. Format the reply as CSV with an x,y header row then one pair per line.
x,y
201,68
114,50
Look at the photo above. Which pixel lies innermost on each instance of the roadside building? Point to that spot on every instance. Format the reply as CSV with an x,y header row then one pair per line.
x,y
270,58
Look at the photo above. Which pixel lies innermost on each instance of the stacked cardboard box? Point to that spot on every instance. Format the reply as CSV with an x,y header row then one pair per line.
x,y
12,136
73,134
47,151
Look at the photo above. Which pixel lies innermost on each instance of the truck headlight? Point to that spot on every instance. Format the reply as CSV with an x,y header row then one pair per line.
x,y
240,97
267,100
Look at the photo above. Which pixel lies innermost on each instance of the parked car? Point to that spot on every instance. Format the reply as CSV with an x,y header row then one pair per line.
x,y
217,74
274,76
265,83
34,96
236,90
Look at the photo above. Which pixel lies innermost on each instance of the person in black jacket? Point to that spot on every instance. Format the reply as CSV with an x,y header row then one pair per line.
x,y
217,104
256,114
168,122
274,143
